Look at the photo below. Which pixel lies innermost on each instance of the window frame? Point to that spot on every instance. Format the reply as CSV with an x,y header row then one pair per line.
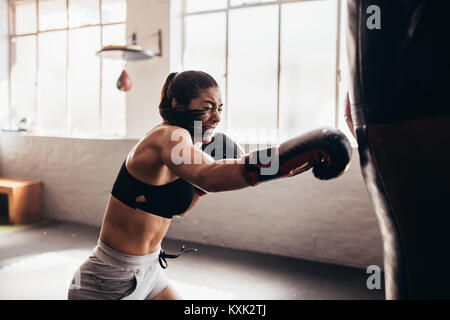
x,y
255,3
12,35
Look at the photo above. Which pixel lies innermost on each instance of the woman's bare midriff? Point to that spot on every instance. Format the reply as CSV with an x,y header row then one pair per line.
x,y
132,231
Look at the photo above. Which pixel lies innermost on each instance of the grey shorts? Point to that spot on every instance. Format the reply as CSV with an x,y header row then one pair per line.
x,y
110,275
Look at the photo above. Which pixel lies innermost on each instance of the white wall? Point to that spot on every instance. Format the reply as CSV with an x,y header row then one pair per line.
x,y
300,217
145,17
4,56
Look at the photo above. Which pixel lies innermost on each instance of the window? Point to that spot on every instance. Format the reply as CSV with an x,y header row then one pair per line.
x,y
57,83
277,62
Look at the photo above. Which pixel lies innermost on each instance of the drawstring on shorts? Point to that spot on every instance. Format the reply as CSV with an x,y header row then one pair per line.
x,y
163,256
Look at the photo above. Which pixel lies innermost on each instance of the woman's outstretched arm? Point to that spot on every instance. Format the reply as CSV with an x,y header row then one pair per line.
x,y
188,162
326,150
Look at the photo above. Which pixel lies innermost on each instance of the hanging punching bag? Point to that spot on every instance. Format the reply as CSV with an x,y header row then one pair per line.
x,y
403,140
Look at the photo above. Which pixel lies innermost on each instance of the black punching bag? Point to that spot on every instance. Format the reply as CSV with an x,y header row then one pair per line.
x,y
404,142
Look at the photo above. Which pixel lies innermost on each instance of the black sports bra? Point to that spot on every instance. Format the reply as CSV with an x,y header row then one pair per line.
x,y
165,200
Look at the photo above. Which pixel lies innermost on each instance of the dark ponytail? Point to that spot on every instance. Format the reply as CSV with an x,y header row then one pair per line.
x,y
183,87
166,97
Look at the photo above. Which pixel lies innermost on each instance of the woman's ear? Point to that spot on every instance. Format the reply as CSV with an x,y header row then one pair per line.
x,y
174,103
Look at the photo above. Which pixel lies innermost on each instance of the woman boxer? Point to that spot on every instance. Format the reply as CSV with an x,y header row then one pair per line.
x,y
165,175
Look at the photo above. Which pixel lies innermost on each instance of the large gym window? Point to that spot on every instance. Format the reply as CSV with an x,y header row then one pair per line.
x,y
55,77
278,63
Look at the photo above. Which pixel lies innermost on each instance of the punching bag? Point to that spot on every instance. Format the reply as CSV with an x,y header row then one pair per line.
x,y
403,141
124,82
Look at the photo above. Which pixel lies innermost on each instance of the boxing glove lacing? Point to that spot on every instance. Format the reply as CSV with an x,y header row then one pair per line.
x,y
163,255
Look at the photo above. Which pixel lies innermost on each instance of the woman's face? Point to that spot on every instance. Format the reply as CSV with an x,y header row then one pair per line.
x,y
209,102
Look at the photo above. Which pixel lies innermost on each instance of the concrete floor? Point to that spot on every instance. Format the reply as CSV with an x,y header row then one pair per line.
x,y
38,263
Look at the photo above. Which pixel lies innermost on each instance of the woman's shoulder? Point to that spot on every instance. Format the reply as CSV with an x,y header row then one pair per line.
x,y
146,154
163,133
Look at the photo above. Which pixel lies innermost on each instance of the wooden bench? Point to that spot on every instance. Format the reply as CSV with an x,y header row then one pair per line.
x,y
24,200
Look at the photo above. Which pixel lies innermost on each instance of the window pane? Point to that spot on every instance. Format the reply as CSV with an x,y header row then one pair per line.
x,y
84,80
114,35
84,12
52,81
242,2
52,14
253,68
113,100
203,5
208,56
23,79
308,66
114,11
23,14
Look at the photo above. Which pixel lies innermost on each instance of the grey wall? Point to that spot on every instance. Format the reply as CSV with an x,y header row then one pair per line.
x,y
300,217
